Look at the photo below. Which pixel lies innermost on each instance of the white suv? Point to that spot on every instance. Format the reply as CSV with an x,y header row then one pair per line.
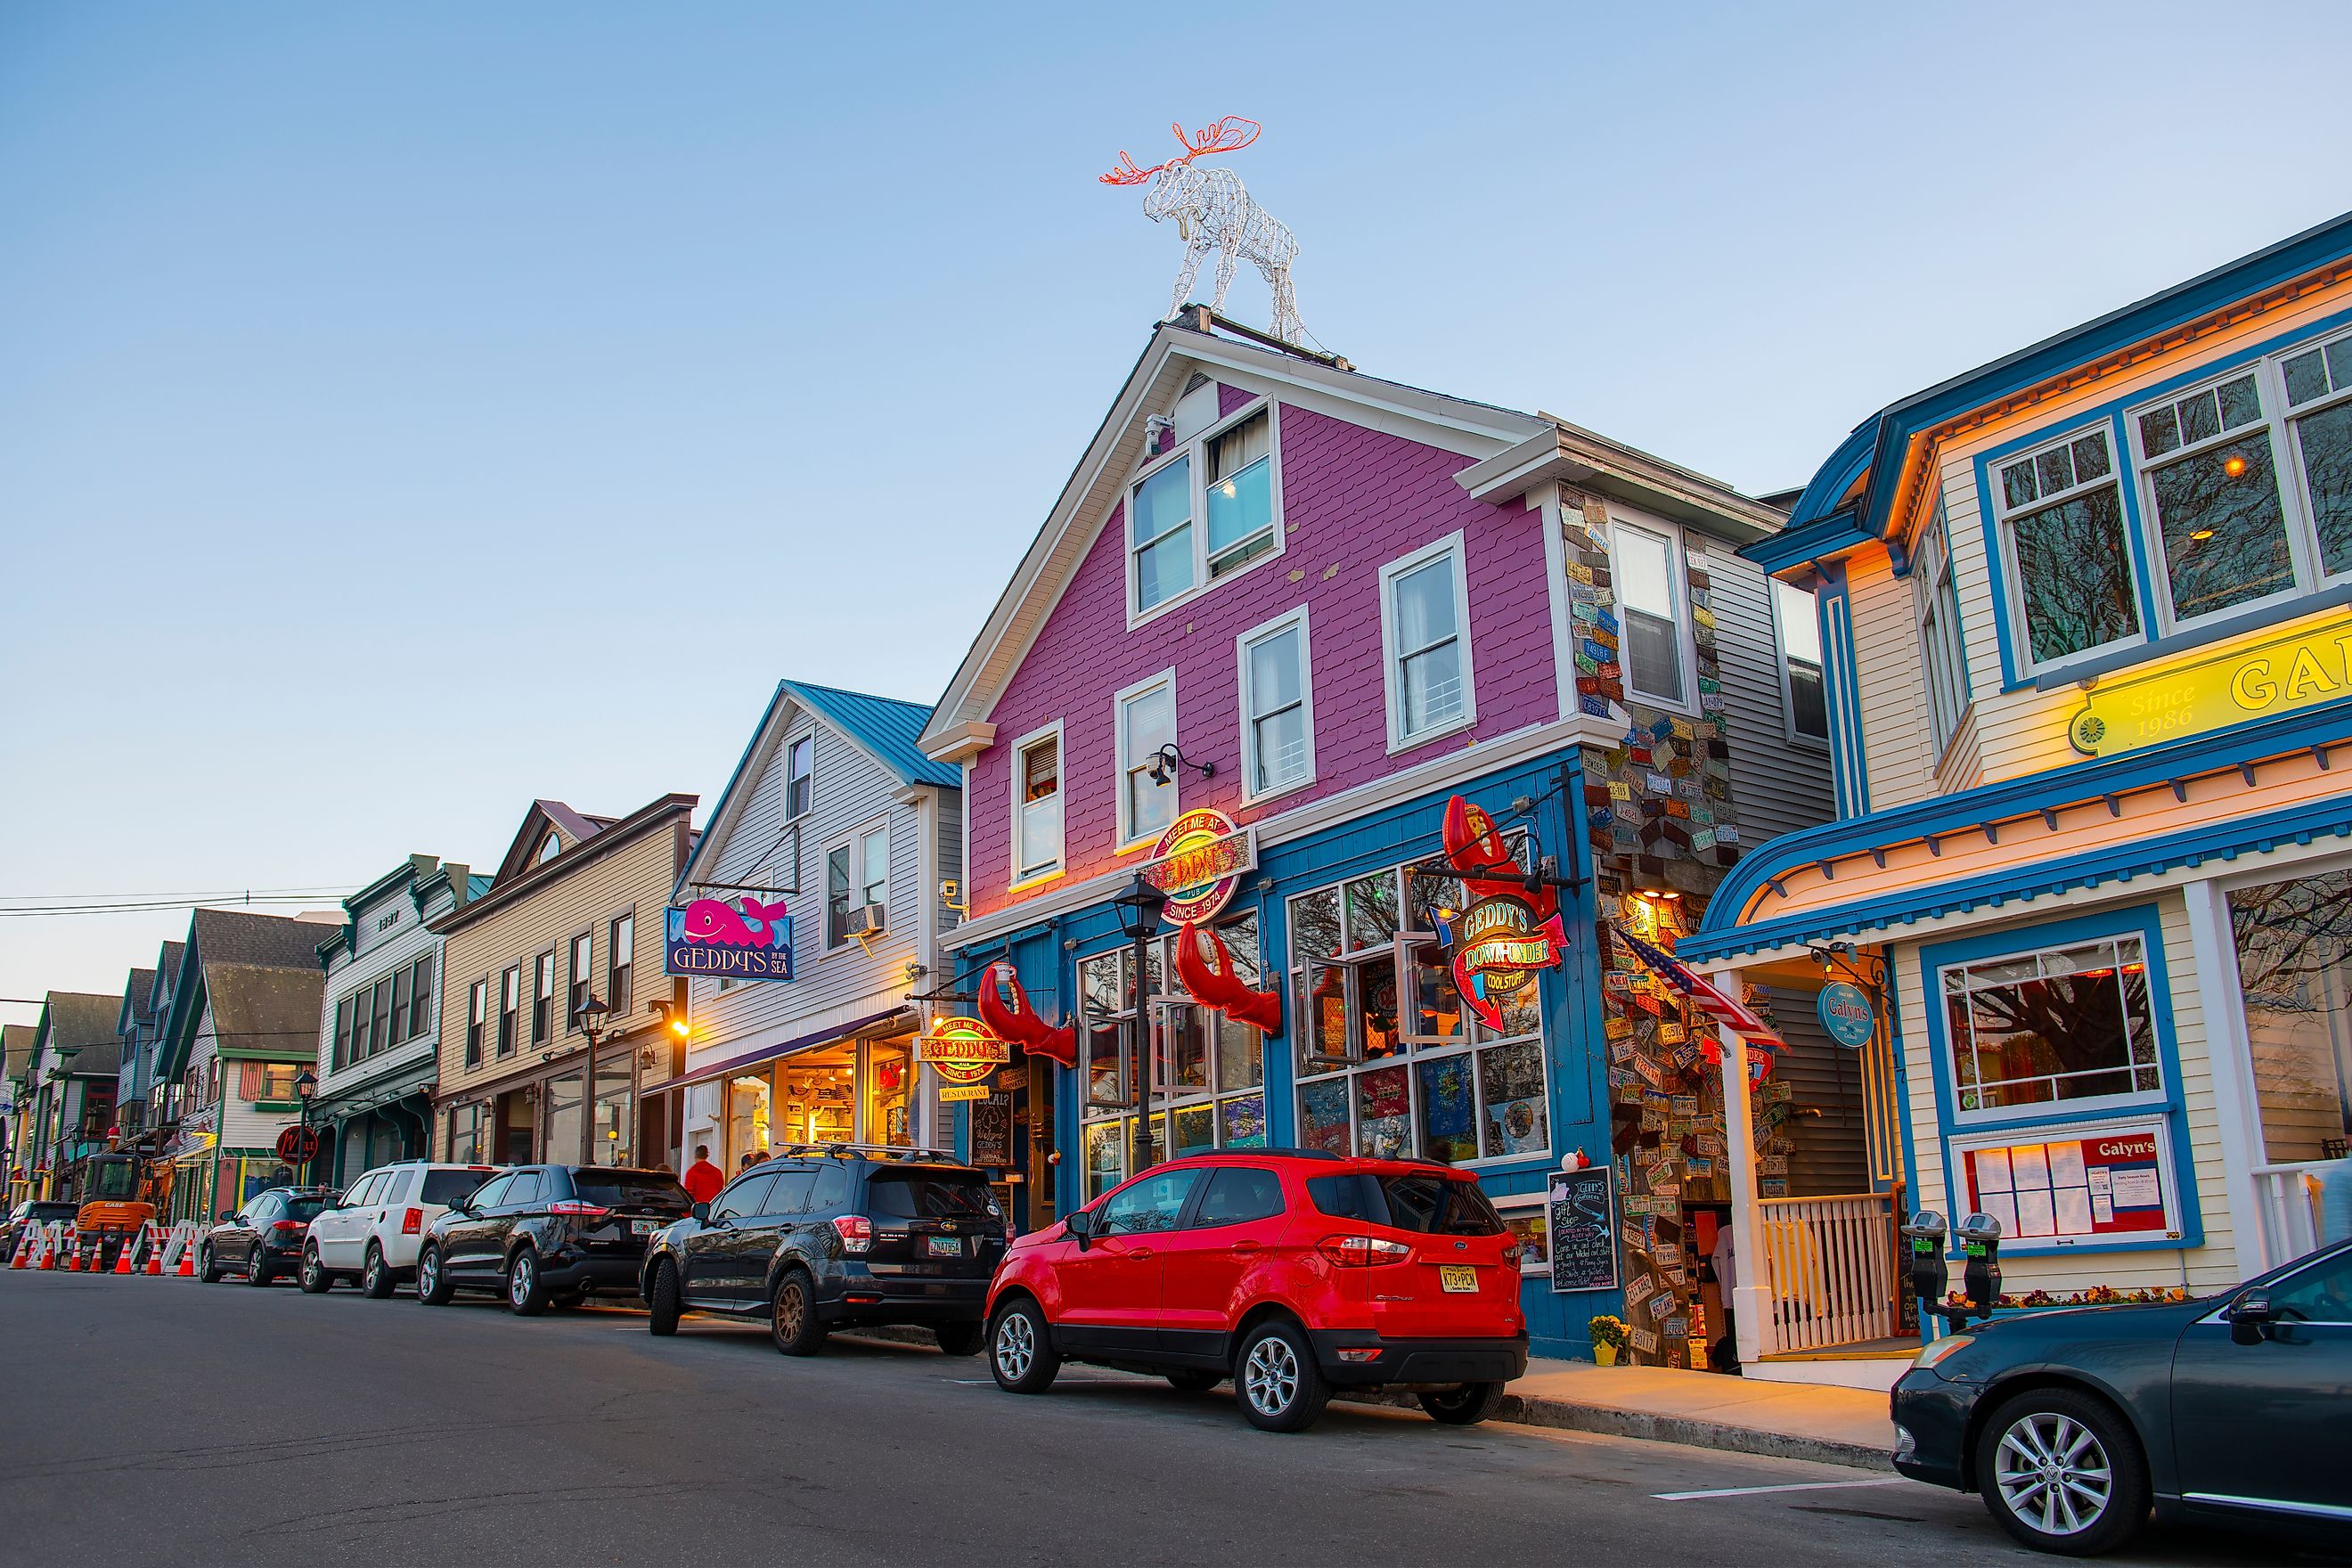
x,y
373,1231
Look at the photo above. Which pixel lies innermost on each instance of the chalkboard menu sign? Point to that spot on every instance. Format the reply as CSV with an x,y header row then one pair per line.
x,y
1583,1224
991,1131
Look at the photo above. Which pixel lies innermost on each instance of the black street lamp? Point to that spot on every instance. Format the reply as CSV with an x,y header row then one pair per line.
x,y
1139,910
306,1084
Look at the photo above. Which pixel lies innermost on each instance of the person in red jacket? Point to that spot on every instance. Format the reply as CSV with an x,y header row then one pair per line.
x,y
702,1179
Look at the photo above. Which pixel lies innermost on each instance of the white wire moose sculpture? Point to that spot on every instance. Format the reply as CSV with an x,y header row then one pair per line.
x,y
1213,211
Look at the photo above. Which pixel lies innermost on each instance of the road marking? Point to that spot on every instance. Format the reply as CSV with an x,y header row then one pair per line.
x,y
1792,1486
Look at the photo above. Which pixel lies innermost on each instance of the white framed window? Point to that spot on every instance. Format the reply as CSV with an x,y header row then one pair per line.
x,y
2067,548
873,865
839,861
1145,718
1652,593
1038,804
2210,493
2071,1026
800,775
2317,384
1804,693
1425,644
1206,510
1277,705
1936,609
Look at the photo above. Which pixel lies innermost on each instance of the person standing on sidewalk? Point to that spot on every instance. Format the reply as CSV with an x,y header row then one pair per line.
x,y
1723,1355
702,1179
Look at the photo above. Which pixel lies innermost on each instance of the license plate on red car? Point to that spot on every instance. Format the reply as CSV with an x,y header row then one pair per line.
x,y
943,1245
1457,1280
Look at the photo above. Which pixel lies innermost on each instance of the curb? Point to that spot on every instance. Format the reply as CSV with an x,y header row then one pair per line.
x,y
1564,1414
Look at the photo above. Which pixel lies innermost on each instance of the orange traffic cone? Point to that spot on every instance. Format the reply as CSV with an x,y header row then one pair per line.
x,y
187,1262
154,1254
24,1246
73,1253
122,1257
50,1251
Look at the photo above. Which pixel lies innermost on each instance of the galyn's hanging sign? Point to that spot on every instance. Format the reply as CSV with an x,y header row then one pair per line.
x,y
2278,676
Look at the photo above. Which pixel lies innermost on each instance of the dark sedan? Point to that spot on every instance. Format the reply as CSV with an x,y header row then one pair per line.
x,y
263,1238
2074,1424
542,1233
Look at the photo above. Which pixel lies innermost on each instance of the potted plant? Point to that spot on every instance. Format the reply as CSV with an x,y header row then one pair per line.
x,y
1609,1337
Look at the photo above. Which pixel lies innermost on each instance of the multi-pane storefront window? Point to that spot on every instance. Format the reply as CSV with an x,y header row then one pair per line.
x,y
2293,940
1207,1070
1391,1063
2066,1023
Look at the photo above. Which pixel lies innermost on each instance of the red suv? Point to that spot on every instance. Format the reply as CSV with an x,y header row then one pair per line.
x,y
1290,1271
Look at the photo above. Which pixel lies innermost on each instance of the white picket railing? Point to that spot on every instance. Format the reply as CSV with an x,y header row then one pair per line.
x,y
2287,1197
1830,1263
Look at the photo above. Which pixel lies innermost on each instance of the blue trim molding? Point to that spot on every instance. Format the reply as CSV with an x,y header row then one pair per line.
x,y
2143,920
1849,767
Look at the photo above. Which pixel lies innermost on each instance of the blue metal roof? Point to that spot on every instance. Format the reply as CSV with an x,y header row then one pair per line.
x,y
477,884
884,726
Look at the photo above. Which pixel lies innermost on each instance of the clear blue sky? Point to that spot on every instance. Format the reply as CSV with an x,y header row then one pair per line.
x,y
406,411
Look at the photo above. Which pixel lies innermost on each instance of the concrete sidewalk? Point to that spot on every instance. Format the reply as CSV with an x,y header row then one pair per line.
x,y
1702,1409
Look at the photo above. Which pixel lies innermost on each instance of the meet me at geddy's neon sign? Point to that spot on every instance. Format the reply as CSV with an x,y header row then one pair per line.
x,y
718,940
1198,863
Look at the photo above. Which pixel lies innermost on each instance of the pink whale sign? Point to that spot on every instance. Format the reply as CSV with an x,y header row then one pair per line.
x,y
741,940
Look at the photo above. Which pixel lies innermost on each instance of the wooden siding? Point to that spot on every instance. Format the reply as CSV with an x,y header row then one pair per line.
x,y
1776,783
382,954
1829,1158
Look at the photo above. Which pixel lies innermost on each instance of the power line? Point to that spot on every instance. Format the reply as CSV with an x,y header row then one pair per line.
x,y
229,900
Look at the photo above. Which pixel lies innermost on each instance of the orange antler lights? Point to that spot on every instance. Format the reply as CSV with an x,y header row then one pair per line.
x,y
1230,135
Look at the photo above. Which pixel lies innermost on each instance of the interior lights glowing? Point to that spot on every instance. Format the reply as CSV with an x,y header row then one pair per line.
x,y
2233,465
2201,535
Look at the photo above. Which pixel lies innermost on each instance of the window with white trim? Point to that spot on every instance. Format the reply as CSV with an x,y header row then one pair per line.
x,y
1277,705
1037,809
2319,385
1205,508
1212,1068
800,770
1425,638
1797,617
2062,522
1651,591
1935,610
1391,1063
1145,714
836,896
2063,1024
2211,479
874,866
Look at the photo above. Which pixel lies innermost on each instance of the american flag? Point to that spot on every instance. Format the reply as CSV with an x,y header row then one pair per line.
x,y
1727,1011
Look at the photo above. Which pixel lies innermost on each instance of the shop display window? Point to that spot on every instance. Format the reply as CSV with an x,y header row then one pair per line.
x,y
564,1117
2071,1023
2294,969
818,1091
609,1141
890,1093
1212,1067
1373,987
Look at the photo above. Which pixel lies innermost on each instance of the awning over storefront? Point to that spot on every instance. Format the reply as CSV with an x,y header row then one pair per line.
x,y
849,1029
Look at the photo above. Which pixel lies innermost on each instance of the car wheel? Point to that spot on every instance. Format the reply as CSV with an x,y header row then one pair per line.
x,y
316,1281
257,1267
525,1288
375,1280
433,1286
1020,1349
792,1321
206,1270
959,1339
1194,1381
1281,1388
662,1299
2062,1472
1464,1407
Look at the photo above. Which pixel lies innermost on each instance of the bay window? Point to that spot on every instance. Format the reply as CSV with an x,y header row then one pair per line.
x,y
2062,515
1799,620
1205,510
2318,384
1424,639
1038,812
1277,707
1146,719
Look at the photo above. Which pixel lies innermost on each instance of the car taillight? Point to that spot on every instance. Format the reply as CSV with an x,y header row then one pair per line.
x,y
1362,1251
289,1226
1511,1250
856,1232
412,1223
573,1208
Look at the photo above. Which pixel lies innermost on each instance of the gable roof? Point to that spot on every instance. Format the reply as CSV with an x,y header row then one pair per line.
x,y
884,728
1176,348
83,1023
605,833
166,974
265,1010
16,1047
136,1008
220,941
571,828
1855,490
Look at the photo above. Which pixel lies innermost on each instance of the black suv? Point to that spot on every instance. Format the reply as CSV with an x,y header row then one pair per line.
x,y
538,1233
820,1239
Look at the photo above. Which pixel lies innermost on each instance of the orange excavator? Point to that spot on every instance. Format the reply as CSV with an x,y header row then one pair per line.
x,y
113,1207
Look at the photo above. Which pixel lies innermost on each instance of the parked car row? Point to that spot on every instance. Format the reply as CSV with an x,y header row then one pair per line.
x,y
1293,1272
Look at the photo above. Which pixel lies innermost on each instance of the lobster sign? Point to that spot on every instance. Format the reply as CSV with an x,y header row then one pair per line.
x,y
1005,1010
746,940
1506,932
1211,978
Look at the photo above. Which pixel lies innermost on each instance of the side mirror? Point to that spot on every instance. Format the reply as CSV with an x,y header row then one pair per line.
x,y
2251,1317
701,1213
1081,1227
223,1216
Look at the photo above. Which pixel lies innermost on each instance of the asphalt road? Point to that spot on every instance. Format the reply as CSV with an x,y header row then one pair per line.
x,y
160,1421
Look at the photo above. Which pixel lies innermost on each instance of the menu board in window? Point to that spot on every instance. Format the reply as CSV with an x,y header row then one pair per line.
x,y
1582,1219
2111,1184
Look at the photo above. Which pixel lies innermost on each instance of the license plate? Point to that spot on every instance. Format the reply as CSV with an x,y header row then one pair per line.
x,y
1457,1278
644,1227
944,1245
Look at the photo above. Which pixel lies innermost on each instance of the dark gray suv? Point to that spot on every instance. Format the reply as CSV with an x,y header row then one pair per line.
x,y
819,1238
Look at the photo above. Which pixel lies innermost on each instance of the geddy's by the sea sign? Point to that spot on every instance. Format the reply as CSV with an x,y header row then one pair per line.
x,y
739,940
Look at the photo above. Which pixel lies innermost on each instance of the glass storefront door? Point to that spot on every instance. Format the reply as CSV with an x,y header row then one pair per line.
x,y
889,1097
562,1146
749,1124
2295,966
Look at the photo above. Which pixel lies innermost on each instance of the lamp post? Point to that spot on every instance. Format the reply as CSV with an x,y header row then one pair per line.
x,y
1139,908
590,1016
306,1084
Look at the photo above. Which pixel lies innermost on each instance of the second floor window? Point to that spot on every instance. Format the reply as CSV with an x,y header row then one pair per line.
x,y
578,978
341,1044
420,995
1277,707
874,867
1205,511
620,958
2062,513
380,1023
1801,661
510,1008
542,997
478,1007
1936,602
1037,815
1423,616
362,1015
1648,594
800,768
1147,721
399,1005
836,896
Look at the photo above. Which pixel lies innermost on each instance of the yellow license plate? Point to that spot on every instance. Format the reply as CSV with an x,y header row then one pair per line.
x,y
1457,1278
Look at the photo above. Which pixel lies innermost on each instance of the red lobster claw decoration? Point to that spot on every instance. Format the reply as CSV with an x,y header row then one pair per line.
x,y
1216,984
1020,1023
1474,844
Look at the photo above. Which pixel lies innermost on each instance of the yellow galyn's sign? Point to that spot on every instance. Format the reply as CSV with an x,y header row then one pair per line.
x,y
2275,677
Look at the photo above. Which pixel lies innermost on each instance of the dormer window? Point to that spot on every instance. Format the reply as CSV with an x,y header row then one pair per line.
x,y
549,848
1204,509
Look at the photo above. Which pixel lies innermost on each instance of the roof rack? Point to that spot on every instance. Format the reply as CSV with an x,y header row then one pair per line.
x,y
867,1150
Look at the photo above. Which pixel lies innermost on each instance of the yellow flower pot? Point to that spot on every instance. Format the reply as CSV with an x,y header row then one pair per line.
x,y
1605,1356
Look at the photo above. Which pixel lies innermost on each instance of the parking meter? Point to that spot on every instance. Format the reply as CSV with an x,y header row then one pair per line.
x,y
1929,1275
1980,1246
